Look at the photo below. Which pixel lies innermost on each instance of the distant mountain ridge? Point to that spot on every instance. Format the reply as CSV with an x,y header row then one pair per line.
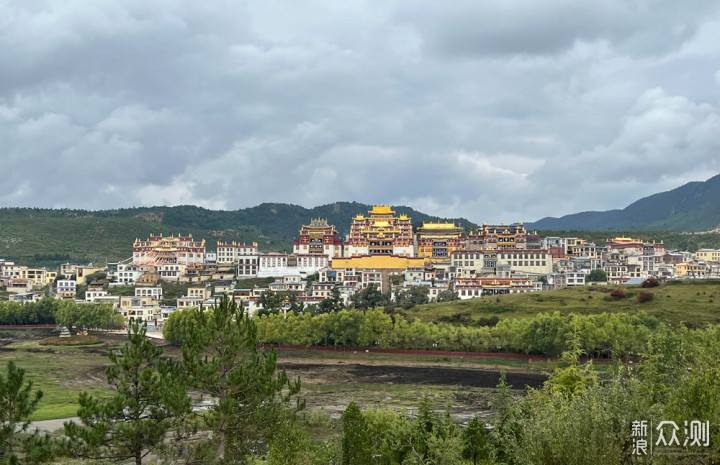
x,y
692,207
276,218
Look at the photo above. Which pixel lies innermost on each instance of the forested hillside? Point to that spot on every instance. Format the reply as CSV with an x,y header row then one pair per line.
x,y
49,237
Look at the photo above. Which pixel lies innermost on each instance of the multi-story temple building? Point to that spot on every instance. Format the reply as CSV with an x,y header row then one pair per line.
x,y
501,237
318,238
438,240
380,233
159,250
233,253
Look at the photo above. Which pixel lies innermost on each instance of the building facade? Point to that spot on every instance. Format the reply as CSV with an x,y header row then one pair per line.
x,y
230,253
380,233
159,250
318,238
499,237
437,241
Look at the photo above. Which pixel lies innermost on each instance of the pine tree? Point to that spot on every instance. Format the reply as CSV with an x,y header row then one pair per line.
x,y
17,402
224,362
150,400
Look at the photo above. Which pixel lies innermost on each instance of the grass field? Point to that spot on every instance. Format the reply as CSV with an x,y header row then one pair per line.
x,y
61,375
694,303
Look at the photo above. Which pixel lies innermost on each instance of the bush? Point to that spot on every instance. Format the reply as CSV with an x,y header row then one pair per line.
x,y
645,297
491,321
462,318
650,282
618,294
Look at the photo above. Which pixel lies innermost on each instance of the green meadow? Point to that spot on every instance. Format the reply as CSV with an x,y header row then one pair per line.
x,y
693,303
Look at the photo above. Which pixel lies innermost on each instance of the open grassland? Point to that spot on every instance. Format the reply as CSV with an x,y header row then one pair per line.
x,y
693,303
61,375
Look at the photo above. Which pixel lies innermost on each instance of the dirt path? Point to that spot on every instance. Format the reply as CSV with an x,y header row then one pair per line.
x,y
50,426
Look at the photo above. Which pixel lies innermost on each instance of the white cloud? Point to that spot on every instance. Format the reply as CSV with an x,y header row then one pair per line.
x,y
489,110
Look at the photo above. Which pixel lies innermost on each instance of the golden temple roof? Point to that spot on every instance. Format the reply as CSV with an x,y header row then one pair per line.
x,y
381,210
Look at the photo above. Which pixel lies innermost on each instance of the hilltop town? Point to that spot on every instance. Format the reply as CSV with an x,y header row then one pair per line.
x,y
438,261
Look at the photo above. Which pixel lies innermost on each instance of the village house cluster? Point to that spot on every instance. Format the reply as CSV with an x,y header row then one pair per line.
x,y
381,249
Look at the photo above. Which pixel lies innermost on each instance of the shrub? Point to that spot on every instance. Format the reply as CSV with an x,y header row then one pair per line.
x,y
650,282
645,297
491,321
618,294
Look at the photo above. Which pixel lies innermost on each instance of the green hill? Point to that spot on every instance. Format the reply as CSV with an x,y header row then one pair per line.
x,y
694,206
49,237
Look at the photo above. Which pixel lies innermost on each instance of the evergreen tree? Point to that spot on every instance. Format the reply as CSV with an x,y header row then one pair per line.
x,y
356,440
17,402
150,401
223,361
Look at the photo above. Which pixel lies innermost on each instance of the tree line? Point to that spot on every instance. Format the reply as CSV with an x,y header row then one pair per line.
x,y
64,312
599,335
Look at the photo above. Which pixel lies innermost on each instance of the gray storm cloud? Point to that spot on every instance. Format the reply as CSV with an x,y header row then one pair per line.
x,y
492,110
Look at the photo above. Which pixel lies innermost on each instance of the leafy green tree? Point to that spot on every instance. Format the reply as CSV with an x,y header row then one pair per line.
x,y
290,447
415,295
356,441
271,302
150,400
370,297
573,379
295,306
331,304
17,402
85,316
596,275
179,326
223,361
475,441
447,295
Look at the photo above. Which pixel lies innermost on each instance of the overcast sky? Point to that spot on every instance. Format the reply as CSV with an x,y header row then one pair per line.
x,y
502,110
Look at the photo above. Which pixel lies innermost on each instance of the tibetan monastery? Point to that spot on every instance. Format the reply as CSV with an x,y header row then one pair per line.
x,y
159,250
499,237
437,240
318,238
380,233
